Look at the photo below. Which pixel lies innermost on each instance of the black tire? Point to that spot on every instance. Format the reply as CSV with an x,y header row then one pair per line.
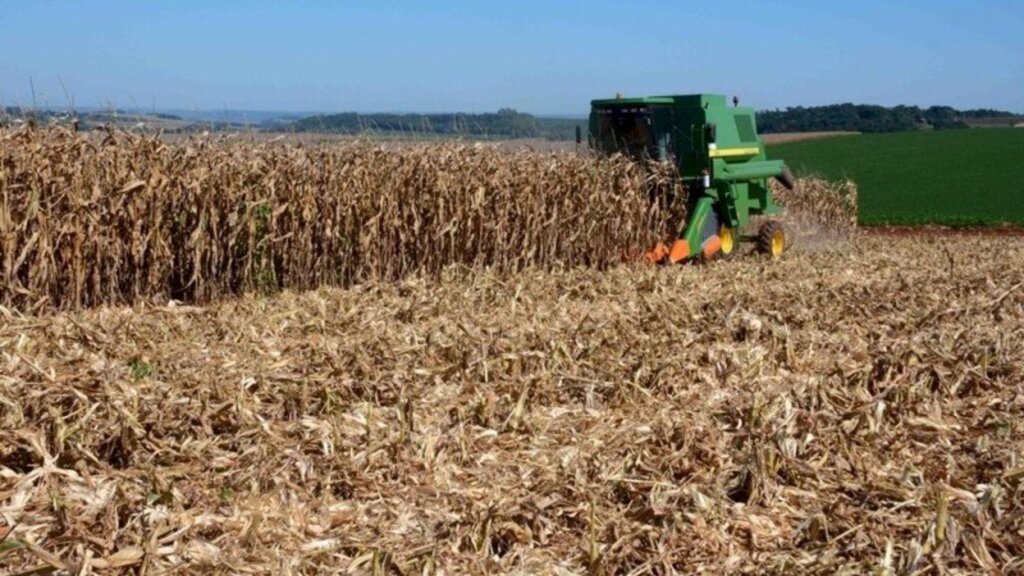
x,y
771,239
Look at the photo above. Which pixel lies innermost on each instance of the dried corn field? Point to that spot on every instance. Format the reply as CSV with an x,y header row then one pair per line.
x,y
86,220
839,411
125,218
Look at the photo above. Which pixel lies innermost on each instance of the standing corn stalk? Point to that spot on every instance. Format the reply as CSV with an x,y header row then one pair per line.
x,y
85,221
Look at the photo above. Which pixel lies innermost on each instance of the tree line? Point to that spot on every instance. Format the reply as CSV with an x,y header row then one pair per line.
x,y
510,123
507,122
870,118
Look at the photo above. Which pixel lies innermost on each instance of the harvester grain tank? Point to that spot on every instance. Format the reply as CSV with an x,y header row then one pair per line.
x,y
720,159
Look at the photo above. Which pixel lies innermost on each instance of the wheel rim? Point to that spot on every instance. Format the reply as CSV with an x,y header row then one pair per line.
x,y
778,243
728,243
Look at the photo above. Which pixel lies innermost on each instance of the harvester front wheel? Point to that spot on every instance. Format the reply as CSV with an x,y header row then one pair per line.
x,y
771,239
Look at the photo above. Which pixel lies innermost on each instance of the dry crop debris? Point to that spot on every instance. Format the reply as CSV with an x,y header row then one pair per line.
x,y
845,412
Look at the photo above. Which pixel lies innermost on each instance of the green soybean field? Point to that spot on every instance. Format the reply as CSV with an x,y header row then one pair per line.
x,y
954,178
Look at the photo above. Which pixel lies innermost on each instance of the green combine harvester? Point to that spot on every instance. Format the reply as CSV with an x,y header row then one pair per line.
x,y
720,158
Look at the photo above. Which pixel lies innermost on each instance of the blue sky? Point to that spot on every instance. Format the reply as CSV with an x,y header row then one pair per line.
x,y
546,57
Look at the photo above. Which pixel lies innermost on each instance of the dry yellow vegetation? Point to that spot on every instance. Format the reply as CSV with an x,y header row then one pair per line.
x,y
486,392
854,411
124,218
87,220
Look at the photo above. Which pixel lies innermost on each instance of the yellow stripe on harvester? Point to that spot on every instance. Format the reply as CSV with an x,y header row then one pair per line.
x,y
731,152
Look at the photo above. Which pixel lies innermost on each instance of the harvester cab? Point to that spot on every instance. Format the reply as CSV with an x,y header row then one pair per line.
x,y
719,157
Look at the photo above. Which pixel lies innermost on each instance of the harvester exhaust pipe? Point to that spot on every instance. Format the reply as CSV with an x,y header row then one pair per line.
x,y
786,178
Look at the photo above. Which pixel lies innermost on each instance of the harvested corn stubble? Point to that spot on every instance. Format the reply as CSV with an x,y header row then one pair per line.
x,y
853,412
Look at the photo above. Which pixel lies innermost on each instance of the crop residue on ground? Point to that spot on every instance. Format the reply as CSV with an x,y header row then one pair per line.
x,y
833,412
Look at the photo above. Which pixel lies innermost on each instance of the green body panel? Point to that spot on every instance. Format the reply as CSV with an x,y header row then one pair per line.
x,y
699,213
676,129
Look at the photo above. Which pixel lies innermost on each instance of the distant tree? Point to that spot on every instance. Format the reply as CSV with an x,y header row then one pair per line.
x,y
507,122
868,118
987,113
